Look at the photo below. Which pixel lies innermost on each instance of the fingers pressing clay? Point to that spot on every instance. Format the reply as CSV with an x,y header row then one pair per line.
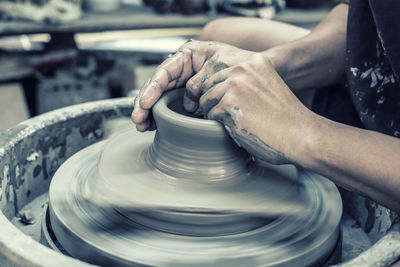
x,y
215,79
192,65
211,98
188,103
194,85
217,113
213,90
139,115
172,73
199,83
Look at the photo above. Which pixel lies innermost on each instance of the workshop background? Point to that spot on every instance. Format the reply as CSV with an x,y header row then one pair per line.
x,y
56,53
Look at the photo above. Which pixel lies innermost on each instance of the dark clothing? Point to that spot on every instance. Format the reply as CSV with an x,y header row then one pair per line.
x,y
373,63
372,70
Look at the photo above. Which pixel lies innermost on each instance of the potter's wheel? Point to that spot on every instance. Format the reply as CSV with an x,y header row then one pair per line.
x,y
191,196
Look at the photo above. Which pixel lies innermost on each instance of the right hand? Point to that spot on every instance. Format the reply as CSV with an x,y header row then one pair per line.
x,y
193,64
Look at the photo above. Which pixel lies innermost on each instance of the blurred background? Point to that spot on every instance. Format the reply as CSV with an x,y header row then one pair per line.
x,y
55,53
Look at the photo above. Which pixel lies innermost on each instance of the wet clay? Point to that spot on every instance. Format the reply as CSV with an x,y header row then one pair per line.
x,y
196,158
189,195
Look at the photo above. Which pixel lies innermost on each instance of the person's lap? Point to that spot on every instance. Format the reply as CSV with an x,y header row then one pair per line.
x,y
252,34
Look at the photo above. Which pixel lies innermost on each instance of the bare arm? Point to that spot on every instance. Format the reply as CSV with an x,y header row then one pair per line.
x,y
359,160
316,60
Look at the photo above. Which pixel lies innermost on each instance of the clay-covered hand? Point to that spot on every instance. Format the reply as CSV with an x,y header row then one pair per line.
x,y
192,65
258,109
239,88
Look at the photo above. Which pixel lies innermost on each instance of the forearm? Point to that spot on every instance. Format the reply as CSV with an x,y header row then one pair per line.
x,y
359,160
317,59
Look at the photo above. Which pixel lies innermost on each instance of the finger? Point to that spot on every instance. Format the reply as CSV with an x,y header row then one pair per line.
x,y
144,126
165,77
195,83
189,104
147,125
187,70
175,70
139,115
217,113
213,90
225,109
199,83
216,78
211,98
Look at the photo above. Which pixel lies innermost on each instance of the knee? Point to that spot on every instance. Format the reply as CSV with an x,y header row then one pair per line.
x,y
211,31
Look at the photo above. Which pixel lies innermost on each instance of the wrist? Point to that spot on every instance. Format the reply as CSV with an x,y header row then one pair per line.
x,y
293,62
306,145
279,58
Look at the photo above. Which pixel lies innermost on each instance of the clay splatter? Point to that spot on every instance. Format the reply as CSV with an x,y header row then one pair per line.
x,y
381,100
26,217
354,71
32,157
249,141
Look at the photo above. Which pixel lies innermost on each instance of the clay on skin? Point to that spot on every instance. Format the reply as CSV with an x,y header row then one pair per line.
x,y
252,143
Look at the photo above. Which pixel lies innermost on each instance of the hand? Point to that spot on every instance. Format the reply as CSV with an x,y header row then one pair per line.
x,y
239,88
192,64
259,111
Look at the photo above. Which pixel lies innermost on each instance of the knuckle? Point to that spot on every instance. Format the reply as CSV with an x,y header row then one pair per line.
x,y
192,89
190,84
233,83
188,44
240,68
229,100
246,65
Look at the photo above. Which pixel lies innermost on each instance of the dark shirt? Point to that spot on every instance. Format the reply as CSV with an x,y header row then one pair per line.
x,y
373,63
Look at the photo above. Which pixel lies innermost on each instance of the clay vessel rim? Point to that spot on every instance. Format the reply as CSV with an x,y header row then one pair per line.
x,y
162,111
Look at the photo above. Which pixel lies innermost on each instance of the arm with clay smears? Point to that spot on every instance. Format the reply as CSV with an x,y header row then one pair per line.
x,y
359,160
263,115
316,60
